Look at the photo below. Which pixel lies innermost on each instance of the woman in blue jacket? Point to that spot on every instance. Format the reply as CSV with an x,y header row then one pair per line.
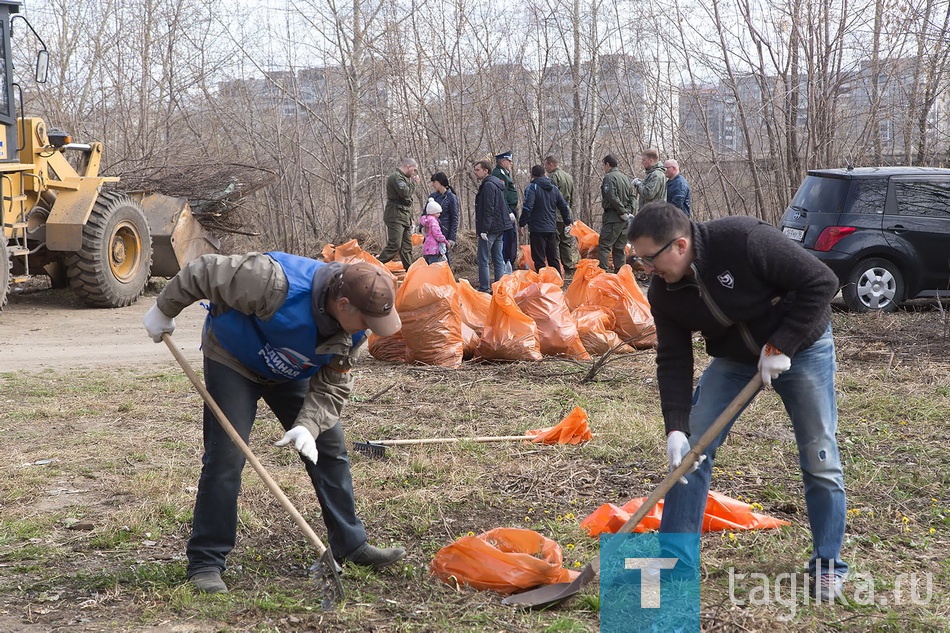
x,y
445,196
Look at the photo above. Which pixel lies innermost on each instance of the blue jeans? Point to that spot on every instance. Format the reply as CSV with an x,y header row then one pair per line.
x,y
807,390
214,527
494,246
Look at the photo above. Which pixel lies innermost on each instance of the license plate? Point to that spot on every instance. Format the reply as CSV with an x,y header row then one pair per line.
x,y
794,234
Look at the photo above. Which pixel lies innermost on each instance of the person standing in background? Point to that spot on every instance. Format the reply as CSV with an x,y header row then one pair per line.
x,y
502,171
443,193
677,189
398,213
566,243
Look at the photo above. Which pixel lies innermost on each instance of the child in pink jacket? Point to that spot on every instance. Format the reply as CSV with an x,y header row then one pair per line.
x,y
435,244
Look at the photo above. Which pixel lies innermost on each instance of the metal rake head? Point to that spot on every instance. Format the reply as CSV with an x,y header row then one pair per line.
x,y
326,573
371,449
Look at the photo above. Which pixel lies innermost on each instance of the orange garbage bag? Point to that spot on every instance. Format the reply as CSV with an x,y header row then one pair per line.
x,y
349,253
573,429
722,513
595,326
586,271
388,348
557,331
620,294
587,239
469,342
505,560
551,276
474,306
525,260
509,334
431,313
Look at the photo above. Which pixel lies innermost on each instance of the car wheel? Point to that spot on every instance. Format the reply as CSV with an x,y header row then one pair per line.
x,y
874,285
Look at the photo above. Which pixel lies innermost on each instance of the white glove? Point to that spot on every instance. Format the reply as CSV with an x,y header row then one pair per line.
x,y
567,230
677,446
637,183
484,236
512,216
772,363
303,442
156,323
625,217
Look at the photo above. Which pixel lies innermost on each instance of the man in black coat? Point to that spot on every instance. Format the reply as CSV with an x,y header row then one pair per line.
x,y
491,222
762,304
542,201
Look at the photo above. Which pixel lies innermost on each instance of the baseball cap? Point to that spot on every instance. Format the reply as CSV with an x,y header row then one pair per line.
x,y
370,290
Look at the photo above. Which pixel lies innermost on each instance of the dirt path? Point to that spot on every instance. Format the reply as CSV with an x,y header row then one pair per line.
x,y
43,329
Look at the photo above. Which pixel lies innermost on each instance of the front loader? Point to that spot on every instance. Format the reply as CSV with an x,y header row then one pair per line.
x,y
60,219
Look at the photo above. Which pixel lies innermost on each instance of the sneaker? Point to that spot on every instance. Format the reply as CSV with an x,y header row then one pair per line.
x,y
208,581
828,588
375,557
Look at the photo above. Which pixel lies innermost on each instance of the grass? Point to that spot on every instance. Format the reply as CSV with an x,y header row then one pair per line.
x,y
125,449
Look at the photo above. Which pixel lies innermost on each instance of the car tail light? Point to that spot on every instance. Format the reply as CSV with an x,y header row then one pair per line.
x,y
831,235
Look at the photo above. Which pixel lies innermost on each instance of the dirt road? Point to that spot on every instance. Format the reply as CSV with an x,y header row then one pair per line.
x,y
42,329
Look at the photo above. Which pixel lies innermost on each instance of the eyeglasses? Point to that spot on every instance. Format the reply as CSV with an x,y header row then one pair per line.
x,y
649,260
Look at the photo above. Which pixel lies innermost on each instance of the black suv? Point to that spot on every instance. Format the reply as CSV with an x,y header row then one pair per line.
x,y
885,231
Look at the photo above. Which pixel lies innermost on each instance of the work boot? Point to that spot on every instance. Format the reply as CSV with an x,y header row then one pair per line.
x,y
208,581
375,557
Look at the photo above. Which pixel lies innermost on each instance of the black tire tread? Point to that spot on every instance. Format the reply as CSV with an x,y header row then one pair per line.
x,y
89,276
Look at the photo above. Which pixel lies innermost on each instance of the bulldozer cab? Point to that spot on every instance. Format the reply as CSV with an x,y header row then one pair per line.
x,y
59,216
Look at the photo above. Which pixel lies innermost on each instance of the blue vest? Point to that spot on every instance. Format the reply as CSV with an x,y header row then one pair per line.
x,y
284,346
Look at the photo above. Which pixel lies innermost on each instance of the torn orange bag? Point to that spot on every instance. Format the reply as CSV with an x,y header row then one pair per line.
x,y
722,513
573,429
557,331
509,334
596,329
620,294
431,312
505,560
587,239
474,306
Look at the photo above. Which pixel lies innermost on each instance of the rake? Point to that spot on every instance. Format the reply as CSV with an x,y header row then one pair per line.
x,y
549,595
326,570
378,448
573,429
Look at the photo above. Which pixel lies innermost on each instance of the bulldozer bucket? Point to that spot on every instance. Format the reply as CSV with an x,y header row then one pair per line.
x,y
177,237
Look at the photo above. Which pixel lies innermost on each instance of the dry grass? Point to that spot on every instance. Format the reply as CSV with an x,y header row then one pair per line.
x,y
126,447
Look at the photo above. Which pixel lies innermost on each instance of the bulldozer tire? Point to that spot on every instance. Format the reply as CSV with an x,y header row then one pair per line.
x,y
113,266
4,272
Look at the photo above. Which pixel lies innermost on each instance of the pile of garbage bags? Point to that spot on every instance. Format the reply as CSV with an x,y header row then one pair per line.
x,y
526,317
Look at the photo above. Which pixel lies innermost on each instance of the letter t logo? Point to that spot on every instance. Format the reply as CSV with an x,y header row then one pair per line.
x,y
649,578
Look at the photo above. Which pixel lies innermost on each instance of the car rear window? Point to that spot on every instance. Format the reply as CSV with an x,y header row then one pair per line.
x,y
923,198
822,195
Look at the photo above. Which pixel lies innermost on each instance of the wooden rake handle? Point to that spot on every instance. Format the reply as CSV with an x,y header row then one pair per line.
x,y
738,403
241,444
449,440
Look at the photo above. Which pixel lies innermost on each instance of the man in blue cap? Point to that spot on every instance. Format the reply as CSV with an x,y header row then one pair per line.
x,y
502,171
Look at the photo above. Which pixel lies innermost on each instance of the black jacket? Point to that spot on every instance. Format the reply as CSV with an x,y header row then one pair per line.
x,y
751,285
542,200
491,210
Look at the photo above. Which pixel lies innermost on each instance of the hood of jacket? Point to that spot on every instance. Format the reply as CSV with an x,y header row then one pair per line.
x,y
544,182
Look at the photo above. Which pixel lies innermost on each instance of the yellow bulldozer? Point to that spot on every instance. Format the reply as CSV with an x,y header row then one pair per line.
x,y
60,219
